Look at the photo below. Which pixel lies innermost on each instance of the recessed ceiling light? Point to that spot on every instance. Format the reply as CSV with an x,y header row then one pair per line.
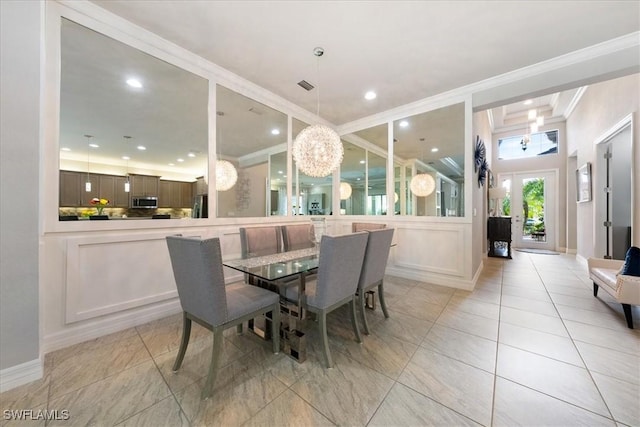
x,y
284,176
191,154
280,172
94,145
404,124
171,164
370,95
126,158
66,149
275,131
528,102
434,150
362,162
180,160
134,83
358,179
141,147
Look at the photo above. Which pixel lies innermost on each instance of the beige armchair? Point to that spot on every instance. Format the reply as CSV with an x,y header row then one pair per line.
x,y
625,289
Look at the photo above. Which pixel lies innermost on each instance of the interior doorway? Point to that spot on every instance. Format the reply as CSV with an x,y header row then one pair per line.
x,y
531,203
613,191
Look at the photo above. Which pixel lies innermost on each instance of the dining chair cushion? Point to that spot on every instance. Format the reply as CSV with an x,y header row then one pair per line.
x,y
259,241
297,236
291,292
243,298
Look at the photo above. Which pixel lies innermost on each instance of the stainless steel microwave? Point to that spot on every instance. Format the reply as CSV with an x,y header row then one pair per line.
x,y
147,202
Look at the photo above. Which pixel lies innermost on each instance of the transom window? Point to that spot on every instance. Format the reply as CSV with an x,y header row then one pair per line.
x,y
539,144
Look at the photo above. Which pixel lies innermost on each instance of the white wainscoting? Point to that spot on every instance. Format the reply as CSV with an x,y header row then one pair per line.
x,y
437,249
111,273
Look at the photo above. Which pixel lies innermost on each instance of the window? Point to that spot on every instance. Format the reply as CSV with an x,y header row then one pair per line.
x,y
540,144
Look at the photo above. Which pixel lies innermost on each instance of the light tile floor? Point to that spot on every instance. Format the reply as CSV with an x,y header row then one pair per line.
x,y
529,346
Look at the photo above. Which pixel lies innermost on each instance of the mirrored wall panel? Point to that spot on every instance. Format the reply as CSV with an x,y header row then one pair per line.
x,y
432,143
133,131
311,196
366,171
248,133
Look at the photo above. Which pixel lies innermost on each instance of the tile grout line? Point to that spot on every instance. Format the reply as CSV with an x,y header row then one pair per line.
x,y
574,344
495,365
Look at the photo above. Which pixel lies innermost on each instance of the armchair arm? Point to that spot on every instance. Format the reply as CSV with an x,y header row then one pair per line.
x,y
628,289
613,264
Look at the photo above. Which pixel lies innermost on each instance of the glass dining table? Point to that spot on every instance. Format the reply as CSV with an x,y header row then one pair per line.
x,y
279,271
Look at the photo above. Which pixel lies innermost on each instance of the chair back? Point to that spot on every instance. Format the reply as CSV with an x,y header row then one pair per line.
x,y
339,269
366,226
198,271
375,257
259,241
297,236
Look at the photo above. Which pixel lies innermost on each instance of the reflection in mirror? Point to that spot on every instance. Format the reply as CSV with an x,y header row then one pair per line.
x,y
278,177
353,171
433,142
377,203
312,196
147,119
368,169
247,134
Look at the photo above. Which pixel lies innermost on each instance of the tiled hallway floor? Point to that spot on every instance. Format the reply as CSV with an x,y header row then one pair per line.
x,y
529,346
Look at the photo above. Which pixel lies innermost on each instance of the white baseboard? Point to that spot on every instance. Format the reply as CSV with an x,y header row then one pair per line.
x,y
94,328
571,251
20,374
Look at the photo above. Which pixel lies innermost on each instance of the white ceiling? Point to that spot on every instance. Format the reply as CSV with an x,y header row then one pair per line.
x,y
404,50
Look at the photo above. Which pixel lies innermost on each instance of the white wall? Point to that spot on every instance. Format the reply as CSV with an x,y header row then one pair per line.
x,y
481,128
600,108
19,181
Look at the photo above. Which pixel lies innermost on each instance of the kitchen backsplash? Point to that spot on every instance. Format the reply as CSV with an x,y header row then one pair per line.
x,y
127,213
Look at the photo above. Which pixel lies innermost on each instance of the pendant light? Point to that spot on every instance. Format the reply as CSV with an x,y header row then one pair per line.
x,y
318,150
226,173
345,190
422,184
87,184
127,184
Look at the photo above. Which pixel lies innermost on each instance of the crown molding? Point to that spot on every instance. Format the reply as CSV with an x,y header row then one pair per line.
x,y
574,102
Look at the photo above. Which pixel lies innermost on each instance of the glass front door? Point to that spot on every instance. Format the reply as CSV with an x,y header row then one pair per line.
x,y
530,202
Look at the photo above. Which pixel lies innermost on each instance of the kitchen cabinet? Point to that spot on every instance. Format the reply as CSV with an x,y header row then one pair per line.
x,y
121,197
110,187
201,186
145,185
70,183
175,194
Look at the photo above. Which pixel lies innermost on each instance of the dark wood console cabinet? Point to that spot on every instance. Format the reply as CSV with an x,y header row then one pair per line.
x,y
499,236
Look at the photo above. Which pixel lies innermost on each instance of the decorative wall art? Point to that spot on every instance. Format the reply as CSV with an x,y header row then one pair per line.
x,y
480,153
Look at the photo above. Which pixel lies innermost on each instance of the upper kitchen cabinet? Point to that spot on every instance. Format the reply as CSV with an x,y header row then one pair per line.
x,y
145,185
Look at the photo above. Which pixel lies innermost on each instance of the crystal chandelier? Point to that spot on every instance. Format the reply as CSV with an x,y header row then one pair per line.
x,y
318,150
422,185
226,175
345,190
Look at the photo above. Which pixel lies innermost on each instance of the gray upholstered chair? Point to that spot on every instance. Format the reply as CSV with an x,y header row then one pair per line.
x,y
366,226
259,241
339,269
297,236
373,267
197,269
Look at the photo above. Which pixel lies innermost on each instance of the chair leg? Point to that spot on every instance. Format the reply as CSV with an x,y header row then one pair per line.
x,y
322,322
595,289
186,333
627,315
382,303
354,318
207,391
361,298
275,328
